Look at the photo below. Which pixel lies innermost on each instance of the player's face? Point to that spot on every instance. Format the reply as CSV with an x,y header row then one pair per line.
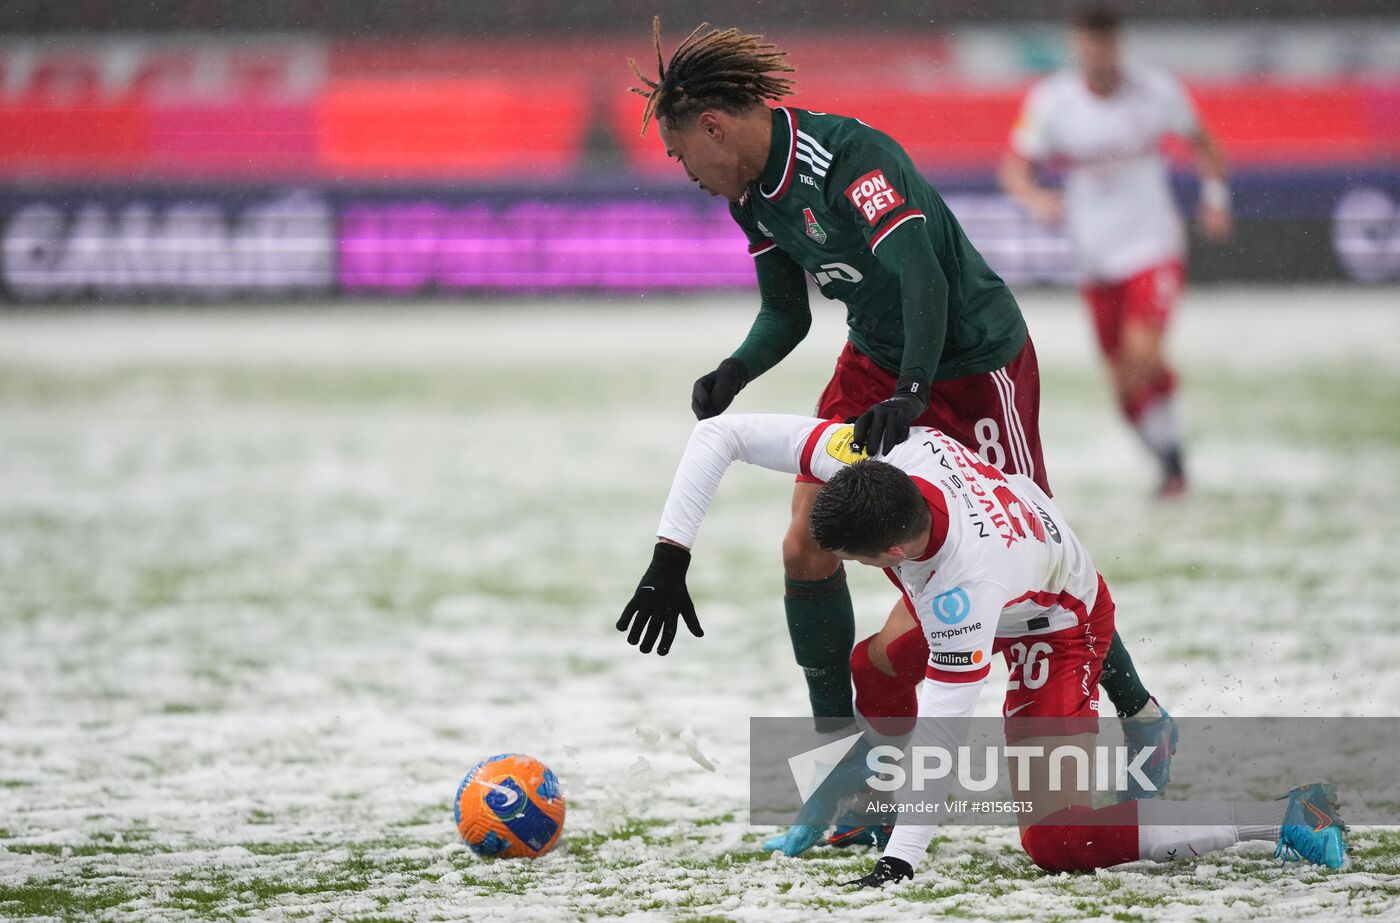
x,y
700,146
1097,51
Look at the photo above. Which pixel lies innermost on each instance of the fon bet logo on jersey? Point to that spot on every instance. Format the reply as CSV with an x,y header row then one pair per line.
x,y
873,196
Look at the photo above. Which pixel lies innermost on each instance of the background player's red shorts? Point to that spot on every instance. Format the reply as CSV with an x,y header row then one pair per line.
x,y
1147,298
1054,682
996,414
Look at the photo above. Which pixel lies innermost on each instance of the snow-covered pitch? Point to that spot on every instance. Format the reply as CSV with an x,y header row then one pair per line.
x,y
272,579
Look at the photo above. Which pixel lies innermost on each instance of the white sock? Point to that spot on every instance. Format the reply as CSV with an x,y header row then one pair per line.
x,y
1158,425
910,842
1174,829
1163,833
1149,711
1260,820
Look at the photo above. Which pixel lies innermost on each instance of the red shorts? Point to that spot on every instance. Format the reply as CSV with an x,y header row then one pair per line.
x,y
1147,298
996,414
1056,676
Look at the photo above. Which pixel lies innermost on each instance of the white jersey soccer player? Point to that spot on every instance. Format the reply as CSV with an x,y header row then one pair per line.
x,y
988,565
1119,210
1104,124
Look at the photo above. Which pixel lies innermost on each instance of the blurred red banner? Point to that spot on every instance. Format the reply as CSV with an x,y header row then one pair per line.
x,y
472,110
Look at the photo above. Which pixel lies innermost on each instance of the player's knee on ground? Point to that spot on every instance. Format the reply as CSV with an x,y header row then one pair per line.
x,y
1067,841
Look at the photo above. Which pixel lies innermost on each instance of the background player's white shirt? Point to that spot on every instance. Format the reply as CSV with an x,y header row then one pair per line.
x,y
1119,210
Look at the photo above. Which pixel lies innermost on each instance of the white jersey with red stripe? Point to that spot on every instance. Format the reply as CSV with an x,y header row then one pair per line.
x,y
1005,564
1001,561
1119,209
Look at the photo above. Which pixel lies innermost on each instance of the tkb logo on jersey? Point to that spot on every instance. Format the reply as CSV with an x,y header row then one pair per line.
x,y
952,607
873,195
814,230
839,446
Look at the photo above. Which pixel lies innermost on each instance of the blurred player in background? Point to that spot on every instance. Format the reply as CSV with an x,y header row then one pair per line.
x,y
935,337
1104,122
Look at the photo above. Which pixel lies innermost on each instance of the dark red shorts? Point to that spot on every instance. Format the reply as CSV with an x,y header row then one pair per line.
x,y
996,414
1147,298
1053,687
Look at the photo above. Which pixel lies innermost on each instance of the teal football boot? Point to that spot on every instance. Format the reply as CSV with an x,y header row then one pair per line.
x,y
1312,828
823,807
796,840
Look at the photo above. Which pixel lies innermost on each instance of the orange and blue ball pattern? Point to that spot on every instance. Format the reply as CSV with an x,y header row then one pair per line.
x,y
509,806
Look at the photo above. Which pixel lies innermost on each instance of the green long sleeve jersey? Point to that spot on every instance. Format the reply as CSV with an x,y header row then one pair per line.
x,y
843,202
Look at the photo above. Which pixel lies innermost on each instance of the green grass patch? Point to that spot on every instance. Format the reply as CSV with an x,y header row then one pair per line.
x,y
58,898
1378,848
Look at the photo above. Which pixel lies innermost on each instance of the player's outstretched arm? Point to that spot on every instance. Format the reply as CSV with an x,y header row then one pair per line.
x,y
773,441
662,601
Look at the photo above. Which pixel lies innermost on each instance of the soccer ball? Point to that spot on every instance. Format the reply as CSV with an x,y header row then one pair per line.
x,y
509,806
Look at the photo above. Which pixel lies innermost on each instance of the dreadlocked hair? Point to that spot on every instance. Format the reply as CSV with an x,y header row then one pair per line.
x,y
717,70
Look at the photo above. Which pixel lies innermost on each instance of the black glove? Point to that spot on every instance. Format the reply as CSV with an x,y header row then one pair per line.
x,y
661,597
886,425
888,869
716,391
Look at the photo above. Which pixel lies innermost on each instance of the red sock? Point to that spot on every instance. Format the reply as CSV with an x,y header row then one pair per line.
x,y
1162,385
1081,839
891,697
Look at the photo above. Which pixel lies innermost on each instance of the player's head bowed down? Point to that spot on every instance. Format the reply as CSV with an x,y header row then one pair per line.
x,y
871,513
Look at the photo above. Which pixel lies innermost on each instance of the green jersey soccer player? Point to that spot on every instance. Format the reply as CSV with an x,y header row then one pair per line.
x,y
935,336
